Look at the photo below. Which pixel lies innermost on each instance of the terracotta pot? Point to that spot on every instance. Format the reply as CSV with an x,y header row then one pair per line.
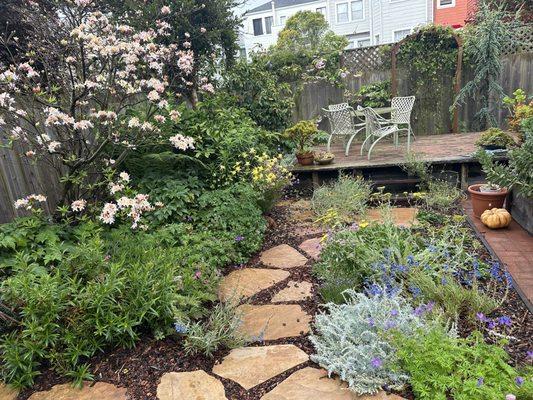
x,y
482,201
305,158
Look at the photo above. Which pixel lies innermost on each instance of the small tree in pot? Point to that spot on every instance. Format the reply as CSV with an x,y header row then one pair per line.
x,y
303,135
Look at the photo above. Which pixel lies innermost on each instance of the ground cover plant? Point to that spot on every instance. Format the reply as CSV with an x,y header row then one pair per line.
x,y
441,273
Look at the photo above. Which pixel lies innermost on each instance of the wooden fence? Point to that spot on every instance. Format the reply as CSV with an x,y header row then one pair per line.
x,y
431,114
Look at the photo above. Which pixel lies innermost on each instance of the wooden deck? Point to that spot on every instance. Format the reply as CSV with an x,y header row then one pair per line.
x,y
453,148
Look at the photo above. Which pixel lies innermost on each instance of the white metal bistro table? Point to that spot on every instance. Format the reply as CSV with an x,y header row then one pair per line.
x,y
379,111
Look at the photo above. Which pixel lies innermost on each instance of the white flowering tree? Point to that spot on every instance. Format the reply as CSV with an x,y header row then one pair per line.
x,y
88,91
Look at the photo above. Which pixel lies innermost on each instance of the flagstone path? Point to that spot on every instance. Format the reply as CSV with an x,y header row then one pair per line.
x,y
283,315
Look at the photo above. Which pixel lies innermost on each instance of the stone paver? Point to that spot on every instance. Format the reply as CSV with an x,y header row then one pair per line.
x,y
273,321
295,291
195,385
313,384
7,393
247,282
283,256
251,366
312,247
100,391
513,246
401,216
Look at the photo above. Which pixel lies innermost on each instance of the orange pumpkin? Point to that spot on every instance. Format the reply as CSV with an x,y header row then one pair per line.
x,y
496,218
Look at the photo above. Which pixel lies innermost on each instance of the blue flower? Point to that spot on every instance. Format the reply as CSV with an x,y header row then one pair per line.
x,y
410,260
371,322
495,271
415,291
481,317
180,328
394,313
504,320
432,249
444,281
239,238
519,380
480,382
376,362
529,355
374,289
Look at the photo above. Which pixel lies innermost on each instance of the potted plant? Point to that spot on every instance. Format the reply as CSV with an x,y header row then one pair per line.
x,y
495,139
324,157
303,135
517,176
486,196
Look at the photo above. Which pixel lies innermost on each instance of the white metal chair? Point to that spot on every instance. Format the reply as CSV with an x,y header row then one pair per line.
x,y
401,114
342,124
376,129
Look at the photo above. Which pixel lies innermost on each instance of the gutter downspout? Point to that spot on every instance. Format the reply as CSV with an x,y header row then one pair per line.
x,y
371,6
274,16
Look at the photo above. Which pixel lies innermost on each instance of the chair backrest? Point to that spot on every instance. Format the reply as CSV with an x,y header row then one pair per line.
x,y
402,108
371,119
340,119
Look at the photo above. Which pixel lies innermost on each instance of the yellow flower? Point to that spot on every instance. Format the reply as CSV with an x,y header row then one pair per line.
x,y
363,224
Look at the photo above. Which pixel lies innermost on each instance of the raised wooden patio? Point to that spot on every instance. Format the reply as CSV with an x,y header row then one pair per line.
x,y
453,148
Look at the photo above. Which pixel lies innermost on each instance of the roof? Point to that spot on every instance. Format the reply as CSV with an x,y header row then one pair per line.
x,y
279,4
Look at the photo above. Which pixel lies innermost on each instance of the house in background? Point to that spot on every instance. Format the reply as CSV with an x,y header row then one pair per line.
x,y
454,13
363,22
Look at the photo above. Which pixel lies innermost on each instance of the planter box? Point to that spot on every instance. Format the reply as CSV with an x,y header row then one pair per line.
x,y
522,211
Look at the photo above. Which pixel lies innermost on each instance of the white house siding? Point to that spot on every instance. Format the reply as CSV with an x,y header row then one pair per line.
x,y
381,19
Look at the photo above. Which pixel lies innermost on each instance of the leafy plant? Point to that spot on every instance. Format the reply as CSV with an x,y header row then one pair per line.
x,y
351,340
519,109
219,330
347,196
518,174
303,135
256,89
443,367
495,137
373,95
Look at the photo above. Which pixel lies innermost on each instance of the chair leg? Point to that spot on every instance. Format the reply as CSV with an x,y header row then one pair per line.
x,y
364,144
412,133
348,146
328,147
408,140
396,140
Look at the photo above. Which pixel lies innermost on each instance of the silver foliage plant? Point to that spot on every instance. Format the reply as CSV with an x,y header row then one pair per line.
x,y
350,339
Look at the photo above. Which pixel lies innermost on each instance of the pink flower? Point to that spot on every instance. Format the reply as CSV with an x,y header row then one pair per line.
x,y
182,142
78,205
203,30
510,397
108,213
165,10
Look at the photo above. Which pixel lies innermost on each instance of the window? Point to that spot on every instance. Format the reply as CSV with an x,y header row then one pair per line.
x,y
282,20
400,34
242,53
268,25
357,10
258,26
342,12
363,42
351,45
321,10
445,3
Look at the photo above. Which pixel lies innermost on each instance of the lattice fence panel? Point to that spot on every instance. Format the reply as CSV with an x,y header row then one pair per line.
x,y
524,40
369,58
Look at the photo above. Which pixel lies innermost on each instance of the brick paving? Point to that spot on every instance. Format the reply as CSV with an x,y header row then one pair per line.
x,y
445,148
513,246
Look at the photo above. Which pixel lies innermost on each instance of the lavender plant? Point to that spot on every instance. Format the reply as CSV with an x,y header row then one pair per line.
x,y
352,339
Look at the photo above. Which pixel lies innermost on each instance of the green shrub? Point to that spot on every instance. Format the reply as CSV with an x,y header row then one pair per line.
x,y
347,197
220,330
443,367
442,196
255,88
374,95
351,339
495,137
105,291
348,257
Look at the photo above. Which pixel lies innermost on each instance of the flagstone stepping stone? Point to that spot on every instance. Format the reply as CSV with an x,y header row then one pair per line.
x,y
283,256
100,391
314,384
400,215
247,282
250,366
195,385
312,247
273,321
7,392
295,291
